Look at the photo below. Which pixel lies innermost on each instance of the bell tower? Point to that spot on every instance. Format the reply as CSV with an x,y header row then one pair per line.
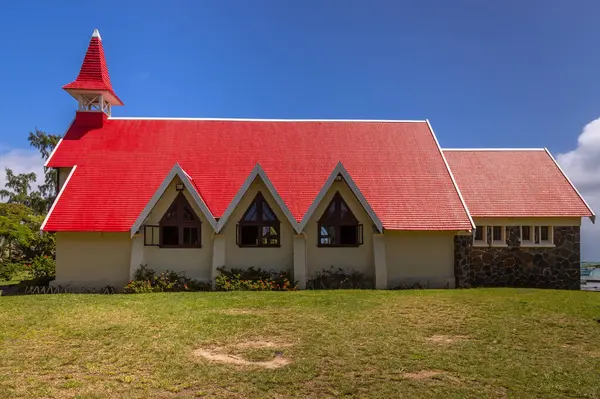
x,y
92,88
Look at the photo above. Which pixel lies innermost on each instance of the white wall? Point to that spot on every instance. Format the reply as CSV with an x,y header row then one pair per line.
x,y
358,258
549,221
426,257
193,262
277,258
92,260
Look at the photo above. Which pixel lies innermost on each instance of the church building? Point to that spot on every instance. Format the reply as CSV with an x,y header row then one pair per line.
x,y
377,196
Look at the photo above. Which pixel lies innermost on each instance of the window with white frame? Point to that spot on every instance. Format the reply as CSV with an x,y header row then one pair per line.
x,y
543,235
526,235
484,236
498,235
537,235
480,236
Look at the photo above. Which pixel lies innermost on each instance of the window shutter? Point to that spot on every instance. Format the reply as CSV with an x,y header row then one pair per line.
x,y
237,234
359,232
151,235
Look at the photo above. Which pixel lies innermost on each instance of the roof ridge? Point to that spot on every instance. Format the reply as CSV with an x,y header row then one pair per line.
x,y
268,119
494,149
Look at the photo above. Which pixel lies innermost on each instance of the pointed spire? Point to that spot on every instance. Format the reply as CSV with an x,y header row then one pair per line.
x,y
93,76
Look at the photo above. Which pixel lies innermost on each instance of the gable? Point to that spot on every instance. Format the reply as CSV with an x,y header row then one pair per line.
x,y
243,207
357,212
166,202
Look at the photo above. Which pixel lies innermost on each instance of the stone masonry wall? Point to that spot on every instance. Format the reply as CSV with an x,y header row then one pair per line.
x,y
515,266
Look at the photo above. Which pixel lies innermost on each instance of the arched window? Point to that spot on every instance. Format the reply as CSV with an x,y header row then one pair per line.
x,y
180,227
338,227
259,227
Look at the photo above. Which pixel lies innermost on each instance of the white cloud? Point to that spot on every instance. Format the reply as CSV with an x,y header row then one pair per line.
x,y
582,165
21,161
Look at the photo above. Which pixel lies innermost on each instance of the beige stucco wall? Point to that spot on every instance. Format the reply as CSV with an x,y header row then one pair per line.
x,y
193,262
279,258
63,173
91,260
426,257
358,258
527,221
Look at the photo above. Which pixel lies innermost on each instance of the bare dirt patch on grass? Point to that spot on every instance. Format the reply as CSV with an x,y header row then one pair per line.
x,y
240,312
446,339
424,374
432,375
216,355
234,354
594,354
260,344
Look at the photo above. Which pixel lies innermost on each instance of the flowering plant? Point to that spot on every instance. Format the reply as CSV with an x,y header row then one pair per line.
x,y
254,279
146,280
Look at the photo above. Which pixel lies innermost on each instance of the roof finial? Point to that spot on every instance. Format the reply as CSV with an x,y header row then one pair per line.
x,y
96,34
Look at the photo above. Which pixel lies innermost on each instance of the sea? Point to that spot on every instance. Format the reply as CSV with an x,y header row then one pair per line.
x,y
585,272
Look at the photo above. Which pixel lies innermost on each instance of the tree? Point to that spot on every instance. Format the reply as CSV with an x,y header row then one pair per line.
x,y
23,213
17,224
18,191
19,186
45,143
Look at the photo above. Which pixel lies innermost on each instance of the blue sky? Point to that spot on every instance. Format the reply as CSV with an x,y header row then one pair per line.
x,y
486,74
517,73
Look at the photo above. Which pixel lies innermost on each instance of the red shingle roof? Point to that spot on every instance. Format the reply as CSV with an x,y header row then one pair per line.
x,y
94,72
514,183
397,166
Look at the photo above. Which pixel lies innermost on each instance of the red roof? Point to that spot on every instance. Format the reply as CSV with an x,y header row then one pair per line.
x,y
514,183
397,166
94,72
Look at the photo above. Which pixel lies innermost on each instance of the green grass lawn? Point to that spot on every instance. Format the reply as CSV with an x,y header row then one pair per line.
x,y
382,344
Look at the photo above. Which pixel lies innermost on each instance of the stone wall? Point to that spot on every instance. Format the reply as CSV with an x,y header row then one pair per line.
x,y
516,266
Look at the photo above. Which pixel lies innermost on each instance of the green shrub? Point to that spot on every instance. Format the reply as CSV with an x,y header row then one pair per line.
x,y
252,279
8,270
43,267
146,280
143,273
197,285
139,287
335,279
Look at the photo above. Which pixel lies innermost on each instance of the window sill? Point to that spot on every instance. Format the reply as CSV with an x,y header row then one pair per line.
x,y
480,244
499,245
177,247
531,245
339,246
259,246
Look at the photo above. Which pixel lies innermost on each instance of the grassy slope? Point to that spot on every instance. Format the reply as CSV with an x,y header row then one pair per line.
x,y
523,343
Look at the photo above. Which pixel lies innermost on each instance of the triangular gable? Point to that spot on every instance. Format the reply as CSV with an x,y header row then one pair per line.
x,y
185,178
257,171
340,170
